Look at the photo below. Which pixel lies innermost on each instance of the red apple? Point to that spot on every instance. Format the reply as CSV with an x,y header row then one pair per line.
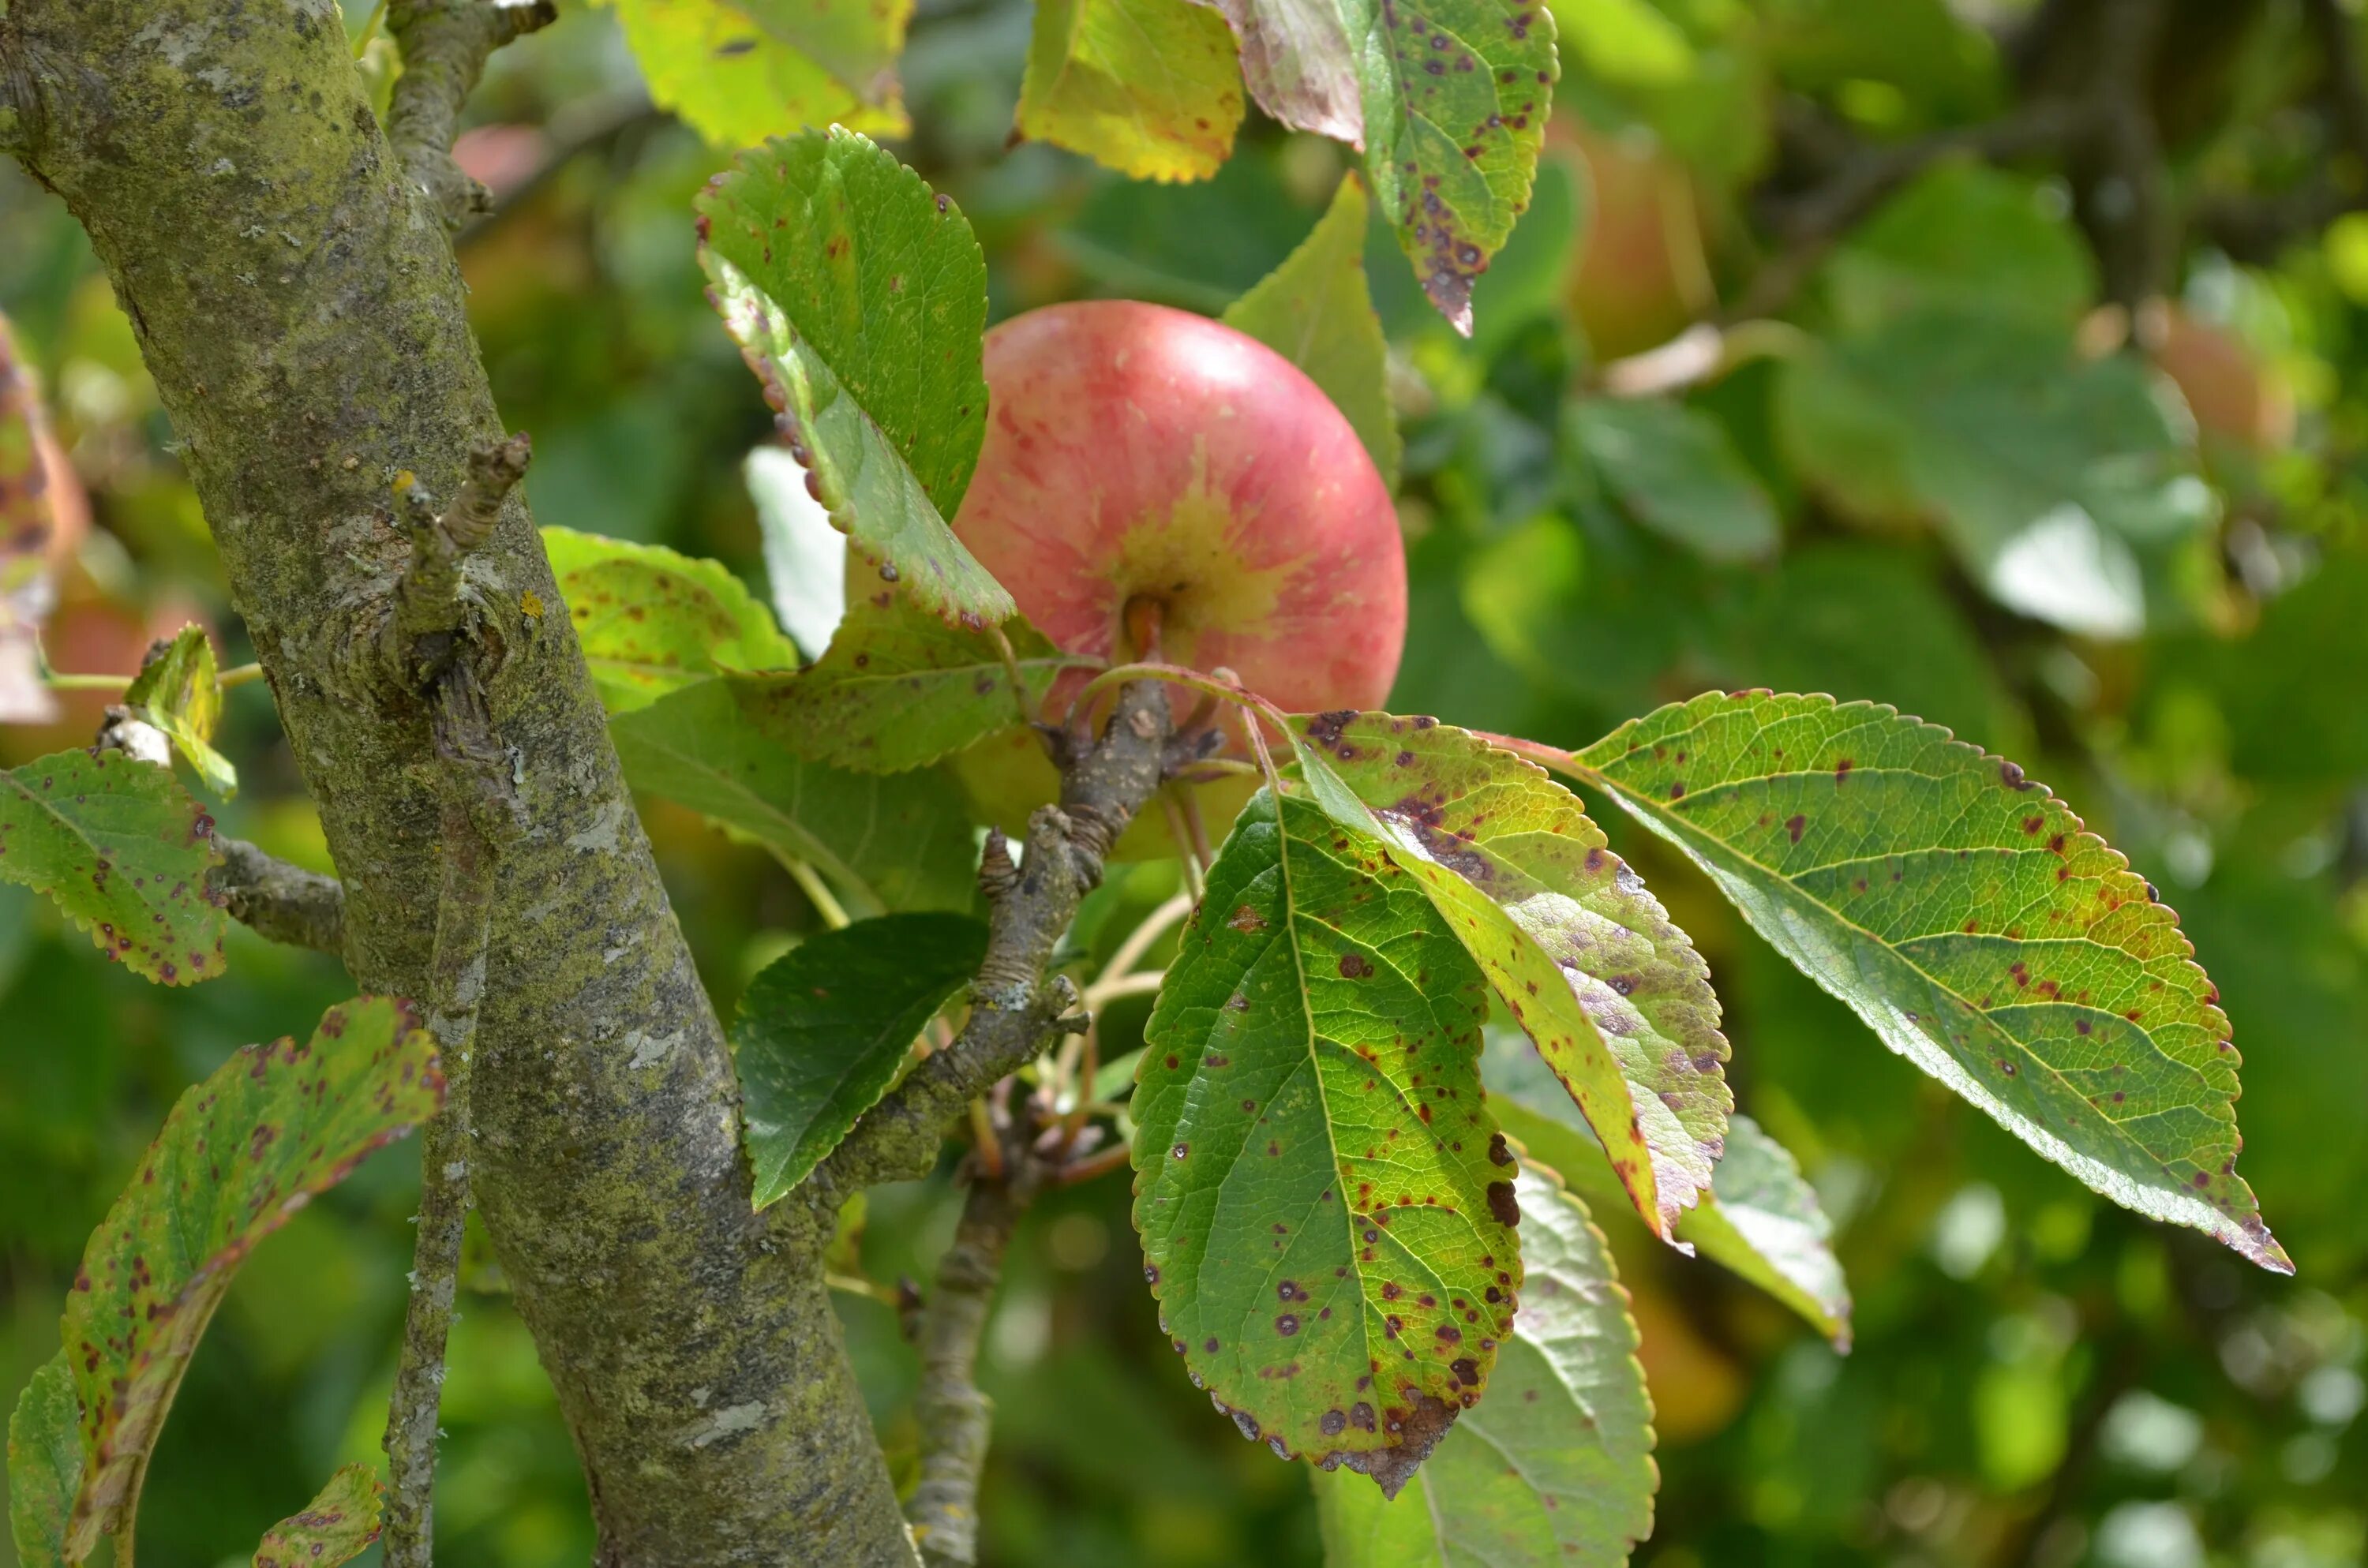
x,y
1148,466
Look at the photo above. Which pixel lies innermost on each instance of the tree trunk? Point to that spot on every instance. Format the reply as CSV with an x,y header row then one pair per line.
x,y
302,314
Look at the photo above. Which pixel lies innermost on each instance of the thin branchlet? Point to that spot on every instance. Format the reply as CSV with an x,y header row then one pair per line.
x,y
445,44
278,902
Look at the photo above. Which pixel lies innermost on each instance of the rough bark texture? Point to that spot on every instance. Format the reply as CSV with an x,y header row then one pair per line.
x,y
300,309
280,902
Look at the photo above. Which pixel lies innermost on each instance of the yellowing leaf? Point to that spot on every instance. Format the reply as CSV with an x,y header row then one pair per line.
x,y
653,621
44,1465
739,71
178,692
1151,88
337,1527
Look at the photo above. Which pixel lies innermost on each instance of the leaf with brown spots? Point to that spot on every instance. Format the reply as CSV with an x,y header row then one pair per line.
x,y
240,1153
1555,1471
178,692
44,1465
1760,1219
859,298
1151,88
1317,310
652,621
1447,100
337,1527
899,688
124,851
1322,1220
1583,956
1966,914
738,71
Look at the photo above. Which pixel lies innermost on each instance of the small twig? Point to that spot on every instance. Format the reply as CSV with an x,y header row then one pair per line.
x,y
1016,1004
954,1417
445,45
428,602
280,902
473,781
984,1145
1092,1165
1182,832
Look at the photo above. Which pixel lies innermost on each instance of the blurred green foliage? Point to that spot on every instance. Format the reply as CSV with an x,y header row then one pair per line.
x,y
1928,481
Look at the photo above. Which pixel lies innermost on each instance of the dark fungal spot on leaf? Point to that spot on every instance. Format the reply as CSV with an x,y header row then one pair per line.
x,y
1354,966
1503,1205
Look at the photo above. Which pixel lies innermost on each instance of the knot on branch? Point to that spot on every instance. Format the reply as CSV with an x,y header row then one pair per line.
x,y
431,601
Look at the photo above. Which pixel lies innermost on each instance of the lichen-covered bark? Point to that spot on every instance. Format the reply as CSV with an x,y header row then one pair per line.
x,y
298,307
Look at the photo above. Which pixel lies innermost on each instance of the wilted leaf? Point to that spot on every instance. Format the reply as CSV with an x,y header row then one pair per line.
x,y
242,1152
1151,88
1674,471
124,851
1760,1218
1449,105
901,842
1582,955
822,1029
898,688
2051,477
44,1465
179,692
1555,1469
1327,1213
336,1528
739,71
1317,310
860,299
653,621
1969,918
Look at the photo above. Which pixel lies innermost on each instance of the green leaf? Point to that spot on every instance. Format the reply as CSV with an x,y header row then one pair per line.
x,y
860,299
178,692
1969,918
1760,1218
898,688
2051,477
1448,104
276,1126
653,621
822,1030
44,1465
1555,1471
739,71
1965,235
1673,469
1151,88
1326,1212
1581,954
336,1528
900,842
124,851
1317,310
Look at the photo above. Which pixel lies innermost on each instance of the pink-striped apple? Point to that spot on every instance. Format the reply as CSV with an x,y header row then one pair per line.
x,y
1145,467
